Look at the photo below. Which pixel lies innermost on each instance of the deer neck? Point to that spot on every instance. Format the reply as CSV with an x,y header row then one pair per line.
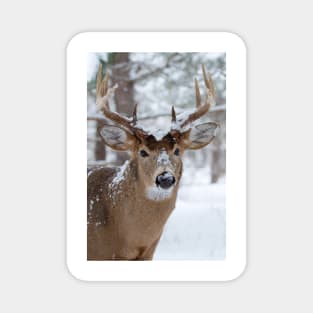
x,y
143,217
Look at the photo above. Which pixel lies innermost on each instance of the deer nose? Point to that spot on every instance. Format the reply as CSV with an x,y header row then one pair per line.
x,y
165,180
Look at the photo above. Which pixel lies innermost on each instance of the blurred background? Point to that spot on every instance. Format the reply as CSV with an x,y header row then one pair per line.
x,y
156,81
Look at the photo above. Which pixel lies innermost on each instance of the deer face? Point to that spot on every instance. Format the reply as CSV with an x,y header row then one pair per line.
x,y
159,166
159,162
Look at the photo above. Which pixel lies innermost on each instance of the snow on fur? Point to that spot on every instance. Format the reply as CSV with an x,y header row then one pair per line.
x,y
120,175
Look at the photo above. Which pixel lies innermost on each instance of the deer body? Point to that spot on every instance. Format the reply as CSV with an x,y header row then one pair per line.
x,y
128,207
123,224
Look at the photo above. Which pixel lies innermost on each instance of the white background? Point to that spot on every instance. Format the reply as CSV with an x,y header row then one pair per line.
x,y
234,263
33,274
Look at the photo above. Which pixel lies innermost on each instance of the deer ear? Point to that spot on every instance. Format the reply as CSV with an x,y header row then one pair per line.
x,y
199,136
116,138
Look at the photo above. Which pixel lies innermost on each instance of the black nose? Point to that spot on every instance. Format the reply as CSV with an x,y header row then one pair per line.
x,y
165,180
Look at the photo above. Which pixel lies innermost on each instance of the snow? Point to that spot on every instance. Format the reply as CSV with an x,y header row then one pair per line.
x,y
120,176
91,205
163,158
153,130
93,63
167,175
181,118
196,228
159,129
89,173
159,133
158,194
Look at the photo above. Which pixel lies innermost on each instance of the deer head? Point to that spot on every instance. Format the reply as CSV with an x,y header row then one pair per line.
x,y
158,160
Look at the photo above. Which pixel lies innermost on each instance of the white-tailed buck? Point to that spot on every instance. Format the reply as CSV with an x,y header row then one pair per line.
x,y
129,206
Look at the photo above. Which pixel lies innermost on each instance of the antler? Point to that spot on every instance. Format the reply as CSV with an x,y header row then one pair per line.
x,y
201,109
103,93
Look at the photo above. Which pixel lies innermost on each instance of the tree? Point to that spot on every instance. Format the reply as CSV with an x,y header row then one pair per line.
x,y
124,94
156,81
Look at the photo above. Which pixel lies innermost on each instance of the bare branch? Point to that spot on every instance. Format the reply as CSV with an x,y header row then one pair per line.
x,y
101,119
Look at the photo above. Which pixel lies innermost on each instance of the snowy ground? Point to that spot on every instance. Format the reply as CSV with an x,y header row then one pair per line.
x,y
196,228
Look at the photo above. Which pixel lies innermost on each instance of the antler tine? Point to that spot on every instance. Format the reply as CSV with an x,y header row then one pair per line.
x,y
201,109
198,96
208,81
173,115
102,89
102,100
99,80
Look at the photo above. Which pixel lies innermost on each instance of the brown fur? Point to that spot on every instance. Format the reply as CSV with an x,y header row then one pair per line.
x,y
124,222
123,225
126,217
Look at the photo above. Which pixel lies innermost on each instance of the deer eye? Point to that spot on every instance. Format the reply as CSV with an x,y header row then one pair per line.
x,y
143,153
176,152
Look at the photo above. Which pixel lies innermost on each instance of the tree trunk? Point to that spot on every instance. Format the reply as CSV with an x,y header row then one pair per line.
x,y
218,152
124,94
100,152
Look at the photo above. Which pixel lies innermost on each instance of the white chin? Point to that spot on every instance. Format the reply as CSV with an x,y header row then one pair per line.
x,y
158,194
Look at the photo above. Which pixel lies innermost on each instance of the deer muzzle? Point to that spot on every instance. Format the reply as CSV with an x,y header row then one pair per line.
x,y
165,180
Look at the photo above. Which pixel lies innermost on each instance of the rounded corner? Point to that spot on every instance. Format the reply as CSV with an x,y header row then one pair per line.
x,y
239,272
238,39
75,38
72,273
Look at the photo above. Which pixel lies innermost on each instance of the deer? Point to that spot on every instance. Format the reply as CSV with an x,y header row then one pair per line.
x,y
128,206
